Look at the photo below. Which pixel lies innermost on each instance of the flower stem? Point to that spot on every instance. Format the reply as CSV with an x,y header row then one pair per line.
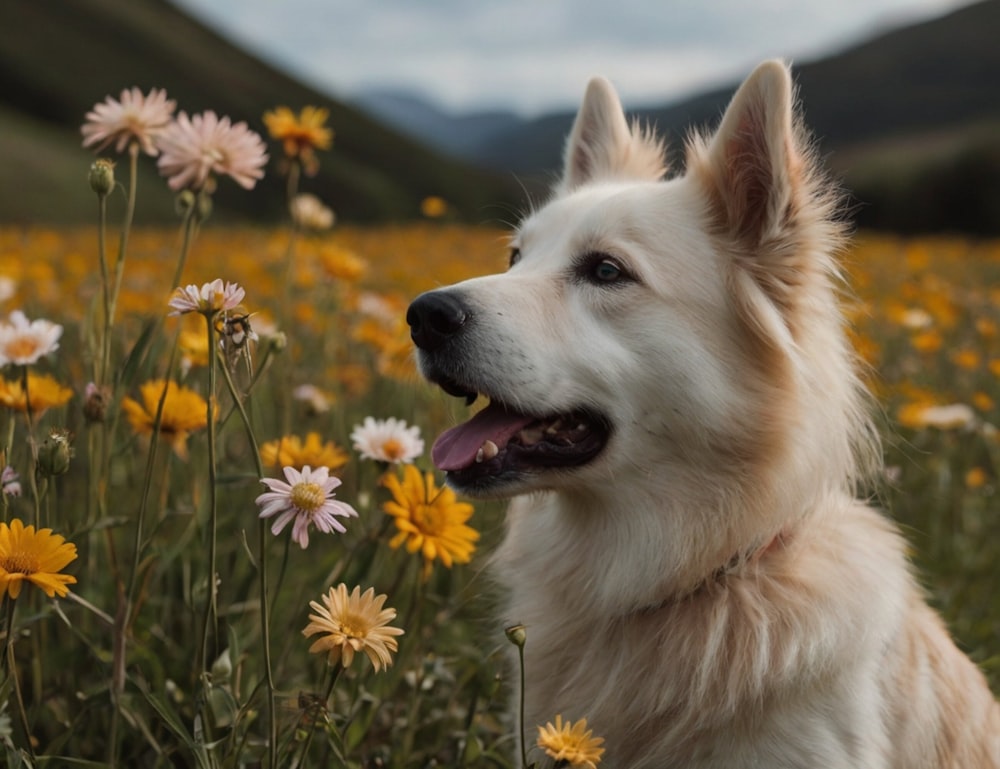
x,y
11,667
210,628
265,618
520,711
133,158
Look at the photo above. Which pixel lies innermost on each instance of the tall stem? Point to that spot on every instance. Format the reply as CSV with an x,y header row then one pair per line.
x,y
265,617
211,606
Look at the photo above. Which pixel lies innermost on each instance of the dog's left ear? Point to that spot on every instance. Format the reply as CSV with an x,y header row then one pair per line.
x,y
752,166
602,145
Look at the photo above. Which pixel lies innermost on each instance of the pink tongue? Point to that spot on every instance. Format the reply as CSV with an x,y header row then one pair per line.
x,y
457,448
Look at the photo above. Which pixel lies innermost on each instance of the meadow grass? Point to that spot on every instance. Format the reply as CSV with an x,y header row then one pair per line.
x,y
144,664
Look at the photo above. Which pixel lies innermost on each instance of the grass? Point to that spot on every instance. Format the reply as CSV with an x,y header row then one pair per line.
x,y
144,664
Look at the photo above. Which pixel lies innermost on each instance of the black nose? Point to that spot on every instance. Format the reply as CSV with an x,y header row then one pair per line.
x,y
434,318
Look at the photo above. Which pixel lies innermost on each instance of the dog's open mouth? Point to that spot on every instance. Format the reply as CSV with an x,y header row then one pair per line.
x,y
499,440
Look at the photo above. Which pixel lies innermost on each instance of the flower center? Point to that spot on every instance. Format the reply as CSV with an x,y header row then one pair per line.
x,y
20,562
308,496
353,626
427,518
392,449
22,347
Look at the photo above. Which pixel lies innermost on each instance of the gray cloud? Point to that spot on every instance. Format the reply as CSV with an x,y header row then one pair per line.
x,y
537,54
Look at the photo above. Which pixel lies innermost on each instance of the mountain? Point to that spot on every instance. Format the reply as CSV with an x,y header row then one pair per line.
x,y
58,58
910,120
461,135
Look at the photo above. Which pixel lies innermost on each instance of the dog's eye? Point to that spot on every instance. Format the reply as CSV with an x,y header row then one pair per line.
x,y
606,271
515,256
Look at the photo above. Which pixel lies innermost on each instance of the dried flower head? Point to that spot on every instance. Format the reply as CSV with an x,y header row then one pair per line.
x,y
353,622
134,118
198,147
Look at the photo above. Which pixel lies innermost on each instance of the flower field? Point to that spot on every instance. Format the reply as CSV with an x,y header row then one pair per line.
x,y
223,542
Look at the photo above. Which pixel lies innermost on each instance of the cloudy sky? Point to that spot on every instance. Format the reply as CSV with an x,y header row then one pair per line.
x,y
535,55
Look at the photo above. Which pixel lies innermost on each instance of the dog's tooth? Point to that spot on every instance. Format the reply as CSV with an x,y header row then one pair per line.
x,y
530,436
488,450
480,455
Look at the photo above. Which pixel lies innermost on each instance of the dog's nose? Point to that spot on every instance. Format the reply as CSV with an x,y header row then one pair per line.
x,y
434,318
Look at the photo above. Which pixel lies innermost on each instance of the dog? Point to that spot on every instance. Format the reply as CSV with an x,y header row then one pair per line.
x,y
677,415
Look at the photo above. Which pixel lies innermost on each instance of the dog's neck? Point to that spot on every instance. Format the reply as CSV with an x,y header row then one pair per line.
x,y
737,565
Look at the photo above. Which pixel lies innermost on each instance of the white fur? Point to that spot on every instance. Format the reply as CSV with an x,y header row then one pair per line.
x,y
707,592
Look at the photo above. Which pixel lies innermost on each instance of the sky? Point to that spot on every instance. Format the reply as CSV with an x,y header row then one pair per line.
x,y
534,56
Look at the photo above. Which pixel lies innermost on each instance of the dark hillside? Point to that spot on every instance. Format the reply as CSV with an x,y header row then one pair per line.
x,y
59,57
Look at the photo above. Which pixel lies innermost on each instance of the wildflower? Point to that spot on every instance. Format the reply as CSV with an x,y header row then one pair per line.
x,y
209,299
300,136
95,402
55,453
949,417
429,519
307,499
37,557
136,118
433,207
975,478
388,440
9,484
292,451
102,177
309,213
342,264
352,623
23,342
194,148
184,411
571,742
317,401
44,393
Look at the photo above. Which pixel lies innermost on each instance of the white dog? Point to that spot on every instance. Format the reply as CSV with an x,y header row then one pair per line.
x,y
675,408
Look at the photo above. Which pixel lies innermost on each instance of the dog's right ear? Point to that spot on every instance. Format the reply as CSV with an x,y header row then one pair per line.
x,y
602,146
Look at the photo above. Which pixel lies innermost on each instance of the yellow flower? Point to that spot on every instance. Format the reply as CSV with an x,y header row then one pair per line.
x,y
44,393
352,623
342,263
184,411
975,478
194,348
300,135
433,207
571,742
36,557
429,519
291,451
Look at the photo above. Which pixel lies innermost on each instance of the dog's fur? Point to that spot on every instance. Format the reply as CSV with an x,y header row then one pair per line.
x,y
706,590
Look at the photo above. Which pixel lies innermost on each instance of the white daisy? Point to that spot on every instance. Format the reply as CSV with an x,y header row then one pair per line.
x,y
210,298
388,440
306,499
23,342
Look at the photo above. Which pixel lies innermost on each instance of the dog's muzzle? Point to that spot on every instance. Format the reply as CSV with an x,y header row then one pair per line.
x,y
434,318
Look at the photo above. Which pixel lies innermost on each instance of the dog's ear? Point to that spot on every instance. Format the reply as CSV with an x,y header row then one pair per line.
x,y
753,164
603,146
764,188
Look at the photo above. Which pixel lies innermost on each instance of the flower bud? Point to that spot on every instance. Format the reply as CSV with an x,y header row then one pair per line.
x,y
517,635
102,177
55,453
95,402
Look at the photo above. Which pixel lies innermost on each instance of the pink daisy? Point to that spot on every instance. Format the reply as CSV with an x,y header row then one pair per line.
x,y
210,298
306,499
195,148
135,118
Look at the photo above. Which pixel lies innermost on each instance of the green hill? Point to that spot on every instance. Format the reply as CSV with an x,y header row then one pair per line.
x,y
60,57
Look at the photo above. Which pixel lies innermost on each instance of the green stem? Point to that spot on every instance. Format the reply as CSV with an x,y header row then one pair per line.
x,y
133,156
262,532
11,665
520,713
210,628
32,449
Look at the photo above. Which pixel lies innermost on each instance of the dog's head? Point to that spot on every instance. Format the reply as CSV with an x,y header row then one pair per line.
x,y
682,328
